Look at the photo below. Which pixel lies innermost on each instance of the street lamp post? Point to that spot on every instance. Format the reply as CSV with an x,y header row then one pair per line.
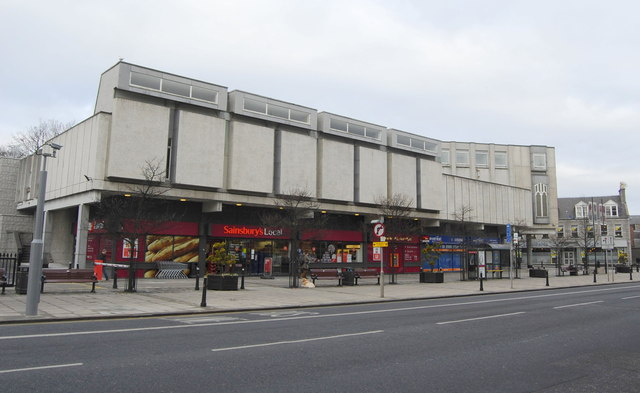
x,y
37,244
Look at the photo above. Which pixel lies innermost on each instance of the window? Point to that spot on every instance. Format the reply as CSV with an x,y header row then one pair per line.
x,y
590,233
200,93
611,209
416,143
173,87
582,210
278,111
541,195
574,231
500,159
273,110
462,158
539,161
482,158
299,116
560,232
255,106
356,129
604,230
176,88
618,229
444,157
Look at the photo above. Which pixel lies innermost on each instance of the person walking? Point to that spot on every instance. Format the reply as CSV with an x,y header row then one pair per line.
x,y
102,257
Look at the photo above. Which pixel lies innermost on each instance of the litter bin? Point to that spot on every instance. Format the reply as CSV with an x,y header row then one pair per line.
x,y
22,279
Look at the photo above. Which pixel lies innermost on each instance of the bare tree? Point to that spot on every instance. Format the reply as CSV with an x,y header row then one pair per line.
x,y
559,243
295,212
29,141
465,228
396,210
140,211
586,240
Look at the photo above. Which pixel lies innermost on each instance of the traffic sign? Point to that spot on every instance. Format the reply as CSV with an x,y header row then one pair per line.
x,y
381,244
378,229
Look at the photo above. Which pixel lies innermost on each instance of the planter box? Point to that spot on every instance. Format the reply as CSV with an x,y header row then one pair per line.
x,y
432,277
540,273
623,269
222,283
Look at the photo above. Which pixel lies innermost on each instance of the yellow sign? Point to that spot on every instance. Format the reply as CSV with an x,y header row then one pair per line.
x,y
353,246
381,244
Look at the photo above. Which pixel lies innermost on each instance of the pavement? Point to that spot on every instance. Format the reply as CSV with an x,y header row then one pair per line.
x,y
178,296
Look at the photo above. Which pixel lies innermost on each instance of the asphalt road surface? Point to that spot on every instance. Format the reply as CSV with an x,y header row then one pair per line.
x,y
571,340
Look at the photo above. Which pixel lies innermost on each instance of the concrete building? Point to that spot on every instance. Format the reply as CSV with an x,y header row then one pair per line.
x,y
16,227
599,224
225,155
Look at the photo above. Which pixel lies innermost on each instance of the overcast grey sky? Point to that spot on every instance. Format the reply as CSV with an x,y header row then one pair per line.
x,y
556,73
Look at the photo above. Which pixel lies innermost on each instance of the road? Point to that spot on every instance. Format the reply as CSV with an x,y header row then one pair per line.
x,y
571,340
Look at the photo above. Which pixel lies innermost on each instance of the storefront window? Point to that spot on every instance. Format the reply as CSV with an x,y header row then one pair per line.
x,y
328,252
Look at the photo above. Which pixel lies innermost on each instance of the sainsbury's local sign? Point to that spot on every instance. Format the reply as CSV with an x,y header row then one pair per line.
x,y
248,231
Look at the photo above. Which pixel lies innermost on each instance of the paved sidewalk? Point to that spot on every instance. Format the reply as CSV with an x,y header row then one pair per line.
x,y
165,297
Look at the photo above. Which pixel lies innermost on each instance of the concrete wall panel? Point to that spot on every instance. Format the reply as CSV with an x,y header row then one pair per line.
x,y
251,152
200,150
298,160
373,174
139,134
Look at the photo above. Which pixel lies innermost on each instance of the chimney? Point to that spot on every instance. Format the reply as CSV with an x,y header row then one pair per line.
x,y
623,192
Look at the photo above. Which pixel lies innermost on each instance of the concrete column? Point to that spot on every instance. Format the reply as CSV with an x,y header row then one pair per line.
x,y
82,232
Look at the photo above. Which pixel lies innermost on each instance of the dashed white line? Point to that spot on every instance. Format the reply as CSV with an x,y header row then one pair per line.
x,y
630,297
479,318
579,304
304,340
15,370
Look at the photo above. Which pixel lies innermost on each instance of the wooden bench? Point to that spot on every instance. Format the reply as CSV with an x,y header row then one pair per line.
x,y
366,273
68,275
494,271
326,274
170,269
3,279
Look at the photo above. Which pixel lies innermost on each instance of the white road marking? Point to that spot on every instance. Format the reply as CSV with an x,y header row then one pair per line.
x,y
346,314
630,297
479,318
205,320
579,304
15,370
304,340
282,314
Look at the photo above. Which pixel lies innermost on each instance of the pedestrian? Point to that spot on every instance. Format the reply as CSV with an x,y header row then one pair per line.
x,y
102,257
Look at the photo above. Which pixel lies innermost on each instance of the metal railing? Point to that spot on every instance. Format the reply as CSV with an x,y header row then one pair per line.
x,y
9,262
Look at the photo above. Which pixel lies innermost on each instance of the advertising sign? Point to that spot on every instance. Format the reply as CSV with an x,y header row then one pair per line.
x,y
377,252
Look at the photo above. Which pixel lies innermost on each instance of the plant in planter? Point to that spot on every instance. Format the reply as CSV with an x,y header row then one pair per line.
x,y
431,252
220,265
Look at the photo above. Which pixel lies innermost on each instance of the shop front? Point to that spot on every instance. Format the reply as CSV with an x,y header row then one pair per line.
x,y
255,247
172,241
401,256
331,246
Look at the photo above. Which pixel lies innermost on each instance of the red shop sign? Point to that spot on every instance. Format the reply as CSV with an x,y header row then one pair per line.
x,y
248,231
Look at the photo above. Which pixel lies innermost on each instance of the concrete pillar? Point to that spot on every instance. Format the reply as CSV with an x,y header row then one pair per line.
x,y
82,232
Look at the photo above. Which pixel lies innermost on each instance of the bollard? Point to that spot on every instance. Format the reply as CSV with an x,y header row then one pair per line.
x,y
203,303
242,278
115,278
630,273
481,286
197,288
547,278
594,276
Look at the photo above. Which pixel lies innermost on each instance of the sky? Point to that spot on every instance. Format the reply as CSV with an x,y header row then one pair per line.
x,y
559,73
